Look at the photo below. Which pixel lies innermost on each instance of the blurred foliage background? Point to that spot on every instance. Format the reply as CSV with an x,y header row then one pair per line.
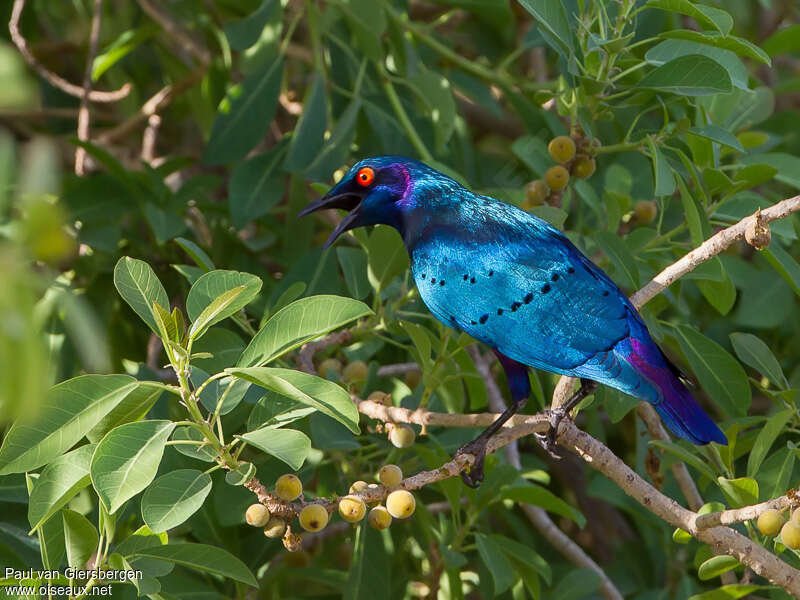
x,y
240,113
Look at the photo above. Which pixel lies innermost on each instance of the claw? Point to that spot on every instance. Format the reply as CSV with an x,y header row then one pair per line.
x,y
472,475
548,440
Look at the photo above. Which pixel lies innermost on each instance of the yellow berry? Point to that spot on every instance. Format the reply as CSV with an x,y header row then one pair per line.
x,y
274,527
390,475
379,518
790,535
770,522
355,371
402,436
358,486
288,487
328,366
380,398
257,515
401,504
561,148
352,509
584,167
796,516
556,177
645,211
412,379
313,517
535,193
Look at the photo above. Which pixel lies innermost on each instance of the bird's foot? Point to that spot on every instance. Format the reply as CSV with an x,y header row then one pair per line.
x,y
548,440
472,475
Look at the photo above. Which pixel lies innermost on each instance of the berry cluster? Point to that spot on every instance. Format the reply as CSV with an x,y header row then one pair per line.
x,y
770,522
572,161
400,504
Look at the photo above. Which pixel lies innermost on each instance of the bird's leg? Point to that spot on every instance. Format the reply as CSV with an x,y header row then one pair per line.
x,y
548,440
520,387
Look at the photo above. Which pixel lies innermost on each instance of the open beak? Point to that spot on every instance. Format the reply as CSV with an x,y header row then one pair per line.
x,y
346,200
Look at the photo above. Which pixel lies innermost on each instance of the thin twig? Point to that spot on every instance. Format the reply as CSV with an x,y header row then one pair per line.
x,y
175,31
53,79
155,104
83,112
398,369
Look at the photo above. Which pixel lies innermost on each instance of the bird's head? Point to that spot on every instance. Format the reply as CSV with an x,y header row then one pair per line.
x,y
374,191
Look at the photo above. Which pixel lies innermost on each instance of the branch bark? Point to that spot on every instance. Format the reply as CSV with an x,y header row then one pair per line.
x,y
83,111
53,79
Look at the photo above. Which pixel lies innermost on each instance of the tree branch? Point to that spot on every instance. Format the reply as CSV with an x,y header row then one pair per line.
x,y
536,514
83,111
53,79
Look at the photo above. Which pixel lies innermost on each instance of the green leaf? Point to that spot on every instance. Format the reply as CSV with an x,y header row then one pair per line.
x,y
785,265
243,473
755,353
353,262
173,498
788,166
783,41
244,115
69,411
525,554
201,557
256,186
139,286
126,460
785,473
719,135
496,563
705,15
309,133
580,584
686,456
729,592
275,409
690,75
387,256
662,173
716,566
421,339
80,538
624,264
668,50
440,104
196,253
370,571
204,453
726,42
766,437
120,48
288,445
58,483
223,306
218,295
540,496
324,395
337,146
553,17
298,323
718,372
133,407
739,492
245,32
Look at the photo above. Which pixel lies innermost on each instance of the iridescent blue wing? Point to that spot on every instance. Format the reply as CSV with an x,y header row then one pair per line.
x,y
518,285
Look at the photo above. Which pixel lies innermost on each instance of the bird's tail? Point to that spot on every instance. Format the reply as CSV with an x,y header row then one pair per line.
x,y
683,415
674,402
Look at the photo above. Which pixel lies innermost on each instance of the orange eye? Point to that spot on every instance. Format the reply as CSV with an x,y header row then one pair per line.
x,y
365,176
